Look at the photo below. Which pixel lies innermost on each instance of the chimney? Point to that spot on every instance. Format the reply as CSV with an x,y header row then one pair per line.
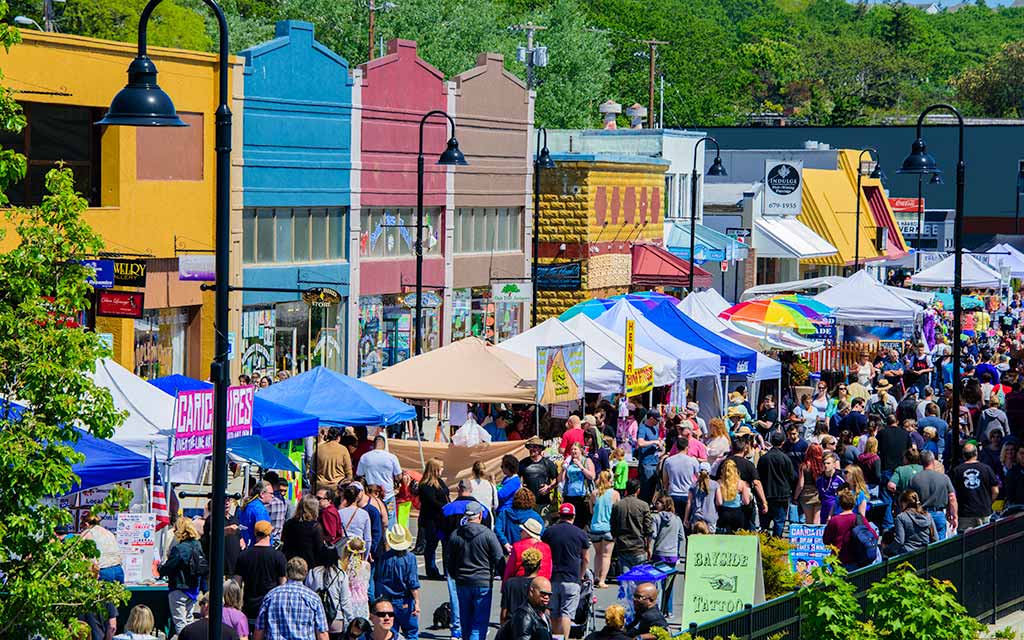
x,y
609,110
637,114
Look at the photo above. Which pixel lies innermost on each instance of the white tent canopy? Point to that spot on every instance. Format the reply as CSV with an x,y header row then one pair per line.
x,y
809,285
975,274
610,342
695,307
711,299
1008,255
150,418
860,298
694,362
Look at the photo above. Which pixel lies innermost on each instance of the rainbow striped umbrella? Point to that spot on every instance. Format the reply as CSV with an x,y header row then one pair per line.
x,y
819,307
643,300
770,312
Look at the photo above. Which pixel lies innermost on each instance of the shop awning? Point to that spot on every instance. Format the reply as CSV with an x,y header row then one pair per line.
x,y
709,245
787,237
656,267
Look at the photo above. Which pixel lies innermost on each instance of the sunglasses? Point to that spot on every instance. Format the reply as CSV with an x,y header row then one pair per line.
x,y
384,614
546,594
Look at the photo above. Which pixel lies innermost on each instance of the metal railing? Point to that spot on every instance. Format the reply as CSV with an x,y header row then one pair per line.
x,y
986,565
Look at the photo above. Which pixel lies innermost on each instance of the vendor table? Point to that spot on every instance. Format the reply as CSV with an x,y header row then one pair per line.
x,y
153,596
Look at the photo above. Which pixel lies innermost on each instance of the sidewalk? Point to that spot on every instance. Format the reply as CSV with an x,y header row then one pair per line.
x,y
1015,621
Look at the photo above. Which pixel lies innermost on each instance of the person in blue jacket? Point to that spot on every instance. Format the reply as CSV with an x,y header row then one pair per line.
x,y
506,527
510,482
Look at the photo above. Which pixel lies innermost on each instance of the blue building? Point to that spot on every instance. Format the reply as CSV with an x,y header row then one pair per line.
x,y
296,176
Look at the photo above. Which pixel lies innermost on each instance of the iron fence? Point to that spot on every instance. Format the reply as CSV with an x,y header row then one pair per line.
x,y
986,565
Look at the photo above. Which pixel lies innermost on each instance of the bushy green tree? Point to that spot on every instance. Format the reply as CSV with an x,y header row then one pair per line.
x,y
996,88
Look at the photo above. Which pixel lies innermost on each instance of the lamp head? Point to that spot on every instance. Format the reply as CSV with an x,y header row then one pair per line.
x,y
936,178
919,161
142,103
452,155
717,168
877,172
544,160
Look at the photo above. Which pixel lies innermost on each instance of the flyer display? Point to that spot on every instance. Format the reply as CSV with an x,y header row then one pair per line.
x,y
560,373
136,536
809,551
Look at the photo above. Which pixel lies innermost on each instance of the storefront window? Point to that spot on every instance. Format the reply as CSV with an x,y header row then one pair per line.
x,y
386,330
327,329
258,341
293,337
482,230
474,314
391,232
371,335
161,344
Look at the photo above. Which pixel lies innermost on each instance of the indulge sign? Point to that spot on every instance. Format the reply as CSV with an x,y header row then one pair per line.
x,y
193,418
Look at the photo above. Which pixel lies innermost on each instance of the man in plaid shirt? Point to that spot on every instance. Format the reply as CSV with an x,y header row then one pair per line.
x,y
277,507
292,611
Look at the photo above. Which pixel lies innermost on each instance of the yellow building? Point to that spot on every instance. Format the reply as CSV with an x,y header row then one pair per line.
x,y
593,209
151,190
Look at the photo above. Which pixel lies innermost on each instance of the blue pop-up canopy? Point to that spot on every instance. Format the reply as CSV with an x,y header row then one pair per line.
x,y
105,462
736,359
337,399
274,422
257,450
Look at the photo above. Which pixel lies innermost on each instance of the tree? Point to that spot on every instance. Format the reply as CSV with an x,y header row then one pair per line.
x,y
996,88
47,582
173,25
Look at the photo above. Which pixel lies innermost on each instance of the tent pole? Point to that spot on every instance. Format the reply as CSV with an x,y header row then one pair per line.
x,y
419,442
536,417
152,473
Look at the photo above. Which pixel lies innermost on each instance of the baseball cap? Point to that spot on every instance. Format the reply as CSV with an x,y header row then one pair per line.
x,y
704,467
591,420
566,509
653,413
263,528
692,406
474,508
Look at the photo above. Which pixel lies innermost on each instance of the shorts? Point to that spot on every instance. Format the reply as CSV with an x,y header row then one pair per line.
x,y
565,599
601,537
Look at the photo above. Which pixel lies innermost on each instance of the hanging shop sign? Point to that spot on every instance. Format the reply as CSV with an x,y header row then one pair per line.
x,y
512,291
129,273
193,418
783,192
103,273
321,297
430,300
197,267
563,276
120,304
560,373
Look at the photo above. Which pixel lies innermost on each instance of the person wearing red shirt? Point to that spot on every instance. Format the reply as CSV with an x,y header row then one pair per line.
x,y
573,435
839,530
531,530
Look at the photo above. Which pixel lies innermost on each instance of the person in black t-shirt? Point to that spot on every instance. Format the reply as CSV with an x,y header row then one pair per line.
x,y
569,560
648,615
200,629
976,487
746,469
539,474
259,569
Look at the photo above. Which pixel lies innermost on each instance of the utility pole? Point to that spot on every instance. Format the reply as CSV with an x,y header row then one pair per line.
x,y
373,12
531,56
49,20
653,48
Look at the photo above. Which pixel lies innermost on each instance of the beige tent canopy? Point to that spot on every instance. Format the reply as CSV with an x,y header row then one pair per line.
x,y
469,370
458,461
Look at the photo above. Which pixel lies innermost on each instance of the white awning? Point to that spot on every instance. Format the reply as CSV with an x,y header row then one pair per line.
x,y
787,237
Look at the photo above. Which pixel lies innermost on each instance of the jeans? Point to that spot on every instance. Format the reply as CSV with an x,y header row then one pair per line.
x,y
777,512
628,560
796,514
939,518
887,500
181,607
431,539
648,475
405,621
680,505
112,574
474,610
453,598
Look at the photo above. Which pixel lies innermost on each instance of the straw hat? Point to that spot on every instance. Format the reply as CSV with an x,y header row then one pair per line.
x,y
399,538
883,384
735,412
532,528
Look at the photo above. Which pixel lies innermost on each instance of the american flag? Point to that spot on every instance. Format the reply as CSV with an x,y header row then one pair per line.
x,y
159,507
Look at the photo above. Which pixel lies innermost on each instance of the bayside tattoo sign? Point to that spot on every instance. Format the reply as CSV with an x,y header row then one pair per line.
x,y
193,418
723,575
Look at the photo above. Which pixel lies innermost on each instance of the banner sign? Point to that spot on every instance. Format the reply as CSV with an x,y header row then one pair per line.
x,y
809,551
103,273
723,574
783,192
563,276
193,418
130,273
512,291
639,381
197,267
825,331
630,345
560,373
136,536
872,333
120,304
906,205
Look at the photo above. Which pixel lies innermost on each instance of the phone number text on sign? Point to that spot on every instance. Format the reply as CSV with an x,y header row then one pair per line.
x,y
193,418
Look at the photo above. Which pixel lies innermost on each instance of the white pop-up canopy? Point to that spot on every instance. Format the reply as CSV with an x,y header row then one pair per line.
x,y
860,298
150,421
610,342
767,368
1007,255
975,274
693,362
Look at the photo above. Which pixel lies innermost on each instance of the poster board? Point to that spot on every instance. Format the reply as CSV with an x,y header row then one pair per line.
x,y
723,575
560,373
809,551
136,536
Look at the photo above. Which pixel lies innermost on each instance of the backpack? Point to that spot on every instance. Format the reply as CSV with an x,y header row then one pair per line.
x,y
324,593
198,567
865,543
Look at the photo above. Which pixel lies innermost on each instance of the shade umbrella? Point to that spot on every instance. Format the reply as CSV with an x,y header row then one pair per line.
x,y
770,312
806,301
259,451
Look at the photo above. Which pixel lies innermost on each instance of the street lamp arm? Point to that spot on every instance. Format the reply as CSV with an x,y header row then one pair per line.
x,y
942,106
424,119
693,202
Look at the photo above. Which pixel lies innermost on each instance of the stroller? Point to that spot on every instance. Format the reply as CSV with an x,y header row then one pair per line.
x,y
583,623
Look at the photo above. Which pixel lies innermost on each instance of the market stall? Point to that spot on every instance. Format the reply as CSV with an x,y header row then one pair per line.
x,y
975,274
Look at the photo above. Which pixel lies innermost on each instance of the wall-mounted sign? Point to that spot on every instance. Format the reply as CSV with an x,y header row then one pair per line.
x,y
129,273
103,273
430,300
321,297
562,276
197,267
512,291
783,192
120,304
906,205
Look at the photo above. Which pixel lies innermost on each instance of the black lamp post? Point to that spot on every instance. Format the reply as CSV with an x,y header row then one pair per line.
x,y
540,161
143,104
1016,199
877,174
717,169
920,163
936,179
451,156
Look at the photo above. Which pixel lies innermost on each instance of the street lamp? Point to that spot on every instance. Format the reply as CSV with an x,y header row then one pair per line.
x,y
936,179
876,172
540,161
450,157
25,21
142,103
1020,192
920,163
717,169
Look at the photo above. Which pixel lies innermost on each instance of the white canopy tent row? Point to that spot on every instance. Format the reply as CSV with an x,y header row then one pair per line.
x,y
861,299
975,274
1006,255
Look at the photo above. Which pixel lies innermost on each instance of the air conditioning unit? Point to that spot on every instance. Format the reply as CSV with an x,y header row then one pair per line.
x,y
881,239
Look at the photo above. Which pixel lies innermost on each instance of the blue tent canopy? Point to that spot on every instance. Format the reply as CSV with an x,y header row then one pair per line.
x,y
260,452
338,399
105,462
736,359
275,422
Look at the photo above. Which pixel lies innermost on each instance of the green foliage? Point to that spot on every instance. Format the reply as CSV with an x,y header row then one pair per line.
x,y
779,578
908,607
1006,633
830,607
996,88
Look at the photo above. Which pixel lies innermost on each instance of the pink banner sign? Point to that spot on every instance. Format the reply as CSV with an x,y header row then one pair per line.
x,y
193,419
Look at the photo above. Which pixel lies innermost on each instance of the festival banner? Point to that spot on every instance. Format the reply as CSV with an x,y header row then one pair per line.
x,y
560,373
809,550
193,418
723,574
638,381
